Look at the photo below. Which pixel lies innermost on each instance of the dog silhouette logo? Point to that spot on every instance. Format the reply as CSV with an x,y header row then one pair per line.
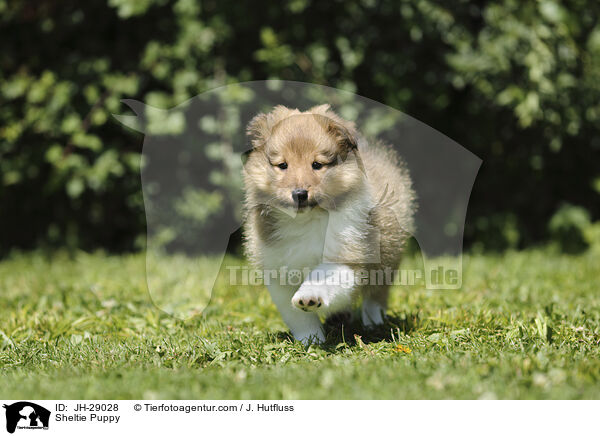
x,y
26,415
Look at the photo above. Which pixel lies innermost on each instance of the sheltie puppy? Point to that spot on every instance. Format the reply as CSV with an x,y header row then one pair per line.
x,y
320,200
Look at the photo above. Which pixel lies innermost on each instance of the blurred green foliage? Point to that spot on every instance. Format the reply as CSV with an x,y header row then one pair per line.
x,y
517,83
568,228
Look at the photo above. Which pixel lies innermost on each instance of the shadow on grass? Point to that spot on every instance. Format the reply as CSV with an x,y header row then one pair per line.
x,y
342,328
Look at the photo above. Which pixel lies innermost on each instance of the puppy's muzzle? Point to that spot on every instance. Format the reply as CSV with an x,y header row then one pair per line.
x,y
300,197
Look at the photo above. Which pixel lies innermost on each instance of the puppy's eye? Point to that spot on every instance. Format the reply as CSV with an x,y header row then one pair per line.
x,y
317,165
282,166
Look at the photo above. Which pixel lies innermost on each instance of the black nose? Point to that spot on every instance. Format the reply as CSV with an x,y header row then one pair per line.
x,y
299,196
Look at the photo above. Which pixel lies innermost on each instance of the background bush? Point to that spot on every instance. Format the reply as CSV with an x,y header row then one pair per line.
x,y
517,83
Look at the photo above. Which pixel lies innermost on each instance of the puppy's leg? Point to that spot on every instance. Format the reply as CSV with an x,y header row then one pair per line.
x,y
328,289
374,305
305,327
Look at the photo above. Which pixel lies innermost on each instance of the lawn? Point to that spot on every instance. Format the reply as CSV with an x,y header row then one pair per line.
x,y
524,325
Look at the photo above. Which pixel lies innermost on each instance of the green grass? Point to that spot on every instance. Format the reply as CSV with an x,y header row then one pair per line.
x,y
525,325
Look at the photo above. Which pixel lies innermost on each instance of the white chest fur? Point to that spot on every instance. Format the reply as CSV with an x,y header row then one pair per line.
x,y
316,236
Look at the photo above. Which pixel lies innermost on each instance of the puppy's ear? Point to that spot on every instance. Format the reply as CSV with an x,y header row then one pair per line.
x,y
322,109
343,131
345,136
258,130
261,126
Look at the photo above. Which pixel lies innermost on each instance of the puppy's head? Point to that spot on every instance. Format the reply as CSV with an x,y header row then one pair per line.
x,y
300,160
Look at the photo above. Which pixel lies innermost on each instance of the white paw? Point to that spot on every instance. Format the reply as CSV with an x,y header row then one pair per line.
x,y
372,313
309,298
310,337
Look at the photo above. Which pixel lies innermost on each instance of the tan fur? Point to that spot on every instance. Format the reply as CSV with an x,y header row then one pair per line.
x,y
369,178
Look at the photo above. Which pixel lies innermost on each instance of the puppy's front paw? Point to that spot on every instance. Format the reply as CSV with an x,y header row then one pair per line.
x,y
308,298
